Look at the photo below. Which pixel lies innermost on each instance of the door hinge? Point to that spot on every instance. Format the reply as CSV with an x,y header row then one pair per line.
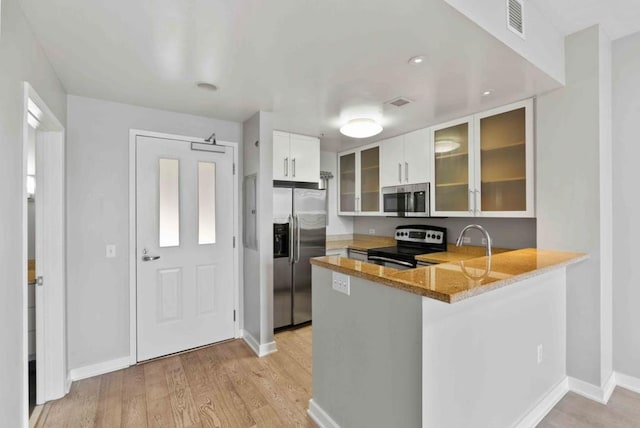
x,y
234,168
234,315
234,242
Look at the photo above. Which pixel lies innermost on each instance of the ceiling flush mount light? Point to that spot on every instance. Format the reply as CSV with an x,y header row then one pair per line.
x,y
446,146
207,86
361,128
417,60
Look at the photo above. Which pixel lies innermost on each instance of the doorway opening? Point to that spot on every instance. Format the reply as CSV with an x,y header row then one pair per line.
x,y
44,338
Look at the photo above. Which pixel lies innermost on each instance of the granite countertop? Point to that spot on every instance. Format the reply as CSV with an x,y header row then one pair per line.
x,y
453,282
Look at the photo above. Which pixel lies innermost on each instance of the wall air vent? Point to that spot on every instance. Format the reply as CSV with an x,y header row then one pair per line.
x,y
515,16
399,102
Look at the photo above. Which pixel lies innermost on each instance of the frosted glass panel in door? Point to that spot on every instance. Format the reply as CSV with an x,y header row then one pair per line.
x,y
451,147
169,206
503,162
370,180
206,203
348,183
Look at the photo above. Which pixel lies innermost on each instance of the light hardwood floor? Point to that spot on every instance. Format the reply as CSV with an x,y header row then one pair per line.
x,y
574,411
226,385
223,385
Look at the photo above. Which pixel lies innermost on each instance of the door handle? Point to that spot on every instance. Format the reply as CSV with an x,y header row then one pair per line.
x,y
148,258
475,201
471,201
291,240
293,166
406,171
286,167
399,172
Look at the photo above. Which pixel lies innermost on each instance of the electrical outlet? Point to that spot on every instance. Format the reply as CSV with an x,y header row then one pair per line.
x,y
341,283
540,354
372,231
466,240
484,241
111,251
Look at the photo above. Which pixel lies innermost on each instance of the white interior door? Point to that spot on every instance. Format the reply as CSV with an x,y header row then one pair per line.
x,y
184,252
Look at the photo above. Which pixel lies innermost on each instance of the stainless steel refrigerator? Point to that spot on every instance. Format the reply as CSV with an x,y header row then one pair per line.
x,y
299,228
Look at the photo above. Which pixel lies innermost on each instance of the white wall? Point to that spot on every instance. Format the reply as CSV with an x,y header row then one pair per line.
x,y
338,225
98,214
21,59
258,264
544,44
505,232
626,204
572,191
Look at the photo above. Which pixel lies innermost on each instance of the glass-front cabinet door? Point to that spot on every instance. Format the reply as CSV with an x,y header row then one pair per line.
x,y
504,164
347,191
370,180
452,192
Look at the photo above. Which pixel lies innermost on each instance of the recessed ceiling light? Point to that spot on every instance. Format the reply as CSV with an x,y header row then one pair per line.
x,y
417,60
361,128
487,92
207,86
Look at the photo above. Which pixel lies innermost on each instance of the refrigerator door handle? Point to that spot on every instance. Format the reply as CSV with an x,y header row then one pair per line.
x,y
297,239
290,239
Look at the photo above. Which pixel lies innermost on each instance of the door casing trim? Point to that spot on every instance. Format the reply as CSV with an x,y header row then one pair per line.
x,y
133,304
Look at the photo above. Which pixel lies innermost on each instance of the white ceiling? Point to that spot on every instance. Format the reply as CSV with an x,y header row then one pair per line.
x,y
312,62
618,18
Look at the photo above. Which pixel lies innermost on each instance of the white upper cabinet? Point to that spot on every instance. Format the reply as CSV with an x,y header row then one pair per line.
x,y
416,156
391,161
483,164
296,157
405,159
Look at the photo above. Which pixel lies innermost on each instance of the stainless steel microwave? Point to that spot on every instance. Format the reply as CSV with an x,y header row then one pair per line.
x,y
411,200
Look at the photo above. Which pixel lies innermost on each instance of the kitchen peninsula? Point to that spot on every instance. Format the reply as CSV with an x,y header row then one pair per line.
x,y
412,348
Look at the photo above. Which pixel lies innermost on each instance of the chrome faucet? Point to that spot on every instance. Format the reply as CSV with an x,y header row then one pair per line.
x,y
481,229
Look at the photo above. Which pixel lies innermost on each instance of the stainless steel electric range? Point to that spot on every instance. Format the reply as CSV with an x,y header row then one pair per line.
x,y
411,241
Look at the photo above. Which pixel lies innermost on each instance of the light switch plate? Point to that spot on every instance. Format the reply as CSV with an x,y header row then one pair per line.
x,y
466,240
111,251
341,283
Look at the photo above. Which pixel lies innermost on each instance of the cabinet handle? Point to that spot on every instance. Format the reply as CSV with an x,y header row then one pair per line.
x,y
357,207
400,173
471,201
293,161
406,172
286,167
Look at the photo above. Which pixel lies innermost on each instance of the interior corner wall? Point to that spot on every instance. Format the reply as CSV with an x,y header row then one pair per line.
x,y
571,168
265,229
626,205
258,264
21,59
98,214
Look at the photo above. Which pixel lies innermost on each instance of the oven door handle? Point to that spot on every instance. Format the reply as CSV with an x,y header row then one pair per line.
x,y
387,259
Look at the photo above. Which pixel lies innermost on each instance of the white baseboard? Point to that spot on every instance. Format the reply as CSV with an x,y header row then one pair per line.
x,y
320,417
628,382
593,392
259,349
544,406
100,368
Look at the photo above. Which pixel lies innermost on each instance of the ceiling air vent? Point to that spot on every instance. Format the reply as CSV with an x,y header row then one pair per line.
x,y
399,102
515,16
